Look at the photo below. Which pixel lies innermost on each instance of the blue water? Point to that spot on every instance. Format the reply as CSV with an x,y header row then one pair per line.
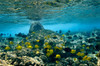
x,y
73,27
76,43
83,16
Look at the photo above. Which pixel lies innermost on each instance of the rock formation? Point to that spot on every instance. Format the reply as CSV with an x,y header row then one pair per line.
x,y
36,26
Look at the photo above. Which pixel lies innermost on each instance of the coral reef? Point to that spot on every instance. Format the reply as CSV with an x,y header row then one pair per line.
x,y
45,47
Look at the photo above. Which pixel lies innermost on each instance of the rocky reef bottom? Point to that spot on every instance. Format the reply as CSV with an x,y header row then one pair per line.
x,y
48,48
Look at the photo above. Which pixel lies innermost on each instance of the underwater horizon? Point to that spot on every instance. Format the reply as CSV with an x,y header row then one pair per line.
x,y
74,14
49,32
84,15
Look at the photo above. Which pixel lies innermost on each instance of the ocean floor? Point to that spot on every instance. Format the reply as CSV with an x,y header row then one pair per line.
x,y
49,48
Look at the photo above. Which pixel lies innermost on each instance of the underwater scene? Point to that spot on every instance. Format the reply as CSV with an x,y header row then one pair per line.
x,y
49,32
